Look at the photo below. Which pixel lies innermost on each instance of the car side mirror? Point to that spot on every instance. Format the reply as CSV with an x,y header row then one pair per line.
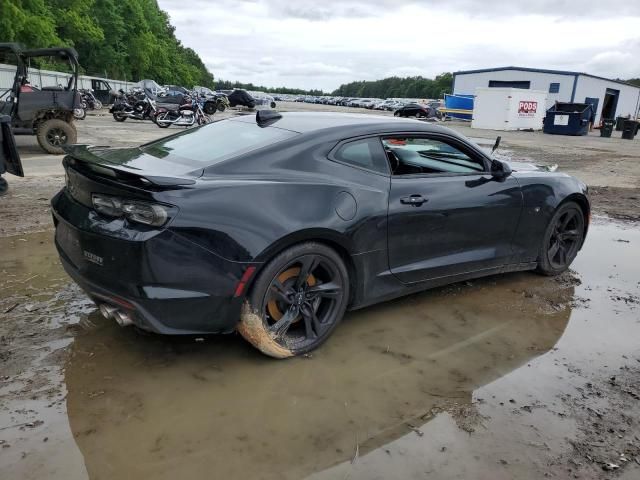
x,y
500,170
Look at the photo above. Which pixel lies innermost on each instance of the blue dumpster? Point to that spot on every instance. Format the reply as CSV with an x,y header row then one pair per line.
x,y
567,119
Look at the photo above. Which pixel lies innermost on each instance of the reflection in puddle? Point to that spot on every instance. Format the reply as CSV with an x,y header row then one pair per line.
x,y
136,403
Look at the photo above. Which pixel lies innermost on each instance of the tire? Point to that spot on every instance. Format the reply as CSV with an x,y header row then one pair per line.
x,y
119,118
97,105
396,114
221,107
562,240
54,133
420,115
209,108
315,305
158,119
79,113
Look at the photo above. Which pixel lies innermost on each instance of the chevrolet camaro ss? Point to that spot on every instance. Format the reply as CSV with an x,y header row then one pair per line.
x,y
274,225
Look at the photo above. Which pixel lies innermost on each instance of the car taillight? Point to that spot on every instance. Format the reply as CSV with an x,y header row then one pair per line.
x,y
152,214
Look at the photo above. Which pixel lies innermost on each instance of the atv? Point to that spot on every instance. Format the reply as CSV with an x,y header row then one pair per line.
x,y
44,111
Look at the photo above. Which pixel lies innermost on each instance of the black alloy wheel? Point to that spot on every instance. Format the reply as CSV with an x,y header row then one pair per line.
x,y
562,240
300,297
56,137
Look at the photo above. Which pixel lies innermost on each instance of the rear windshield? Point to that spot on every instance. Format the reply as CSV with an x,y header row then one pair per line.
x,y
216,142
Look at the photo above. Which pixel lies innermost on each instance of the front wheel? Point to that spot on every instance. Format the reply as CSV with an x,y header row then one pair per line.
x,y
562,240
296,302
97,105
221,107
119,117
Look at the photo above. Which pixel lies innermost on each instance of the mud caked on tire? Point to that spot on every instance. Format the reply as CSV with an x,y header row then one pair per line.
x,y
562,239
54,133
296,302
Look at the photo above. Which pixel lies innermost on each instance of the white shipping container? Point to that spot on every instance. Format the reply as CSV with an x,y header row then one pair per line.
x,y
508,109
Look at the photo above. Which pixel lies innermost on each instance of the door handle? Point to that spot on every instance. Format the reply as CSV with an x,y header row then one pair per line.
x,y
415,200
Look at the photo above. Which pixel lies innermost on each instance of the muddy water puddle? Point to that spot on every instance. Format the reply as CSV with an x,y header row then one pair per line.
x,y
494,378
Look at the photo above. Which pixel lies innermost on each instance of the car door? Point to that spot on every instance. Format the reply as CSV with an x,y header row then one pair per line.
x,y
448,214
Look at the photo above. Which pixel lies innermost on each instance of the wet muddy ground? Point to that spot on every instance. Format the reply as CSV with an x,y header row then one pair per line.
x,y
514,376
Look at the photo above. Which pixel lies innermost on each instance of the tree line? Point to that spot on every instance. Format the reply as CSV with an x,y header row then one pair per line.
x,y
229,85
123,39
399,87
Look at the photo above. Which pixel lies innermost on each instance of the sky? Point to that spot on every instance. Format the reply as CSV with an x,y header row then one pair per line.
x,y
325,43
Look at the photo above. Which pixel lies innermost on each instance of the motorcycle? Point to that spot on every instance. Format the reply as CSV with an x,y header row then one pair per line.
x,y
187,114
89,101
137,105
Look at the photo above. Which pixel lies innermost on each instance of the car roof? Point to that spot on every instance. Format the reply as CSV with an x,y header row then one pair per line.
x,y
308,122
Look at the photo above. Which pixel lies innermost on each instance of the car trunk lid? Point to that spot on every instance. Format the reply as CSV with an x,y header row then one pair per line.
x,y
134,166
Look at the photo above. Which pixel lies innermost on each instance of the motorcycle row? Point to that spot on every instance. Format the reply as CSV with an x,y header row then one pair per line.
x,y
184,110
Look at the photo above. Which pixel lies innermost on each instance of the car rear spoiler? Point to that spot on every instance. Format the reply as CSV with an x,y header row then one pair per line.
x,y
9,156
80,153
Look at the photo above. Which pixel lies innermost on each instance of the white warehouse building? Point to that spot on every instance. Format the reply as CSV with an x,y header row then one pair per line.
x,y
612,98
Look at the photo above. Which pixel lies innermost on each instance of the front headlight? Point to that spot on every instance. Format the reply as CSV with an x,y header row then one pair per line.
x,y
152,214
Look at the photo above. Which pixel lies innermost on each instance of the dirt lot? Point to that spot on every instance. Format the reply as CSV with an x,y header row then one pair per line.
x,y
516,376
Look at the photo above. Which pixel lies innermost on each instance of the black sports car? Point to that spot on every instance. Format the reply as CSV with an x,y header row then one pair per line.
x,y
274,225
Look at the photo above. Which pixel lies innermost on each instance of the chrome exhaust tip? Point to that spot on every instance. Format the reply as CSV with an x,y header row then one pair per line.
x,y
123,318
108,311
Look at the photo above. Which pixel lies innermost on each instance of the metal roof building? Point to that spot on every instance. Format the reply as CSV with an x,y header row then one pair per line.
x,y
611,98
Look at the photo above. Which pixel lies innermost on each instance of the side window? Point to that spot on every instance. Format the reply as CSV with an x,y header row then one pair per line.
x,y
419,155
364,153
554,87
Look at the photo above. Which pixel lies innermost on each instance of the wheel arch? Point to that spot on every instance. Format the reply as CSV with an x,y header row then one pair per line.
x,y
583,202
330,238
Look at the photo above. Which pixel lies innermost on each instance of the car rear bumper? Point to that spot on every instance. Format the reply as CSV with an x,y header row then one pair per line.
x,y
164,282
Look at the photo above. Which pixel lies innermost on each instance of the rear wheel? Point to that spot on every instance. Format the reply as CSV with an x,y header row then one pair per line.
x,y
562,240
97,105
161,121
396,114
296,302
54,133
119,117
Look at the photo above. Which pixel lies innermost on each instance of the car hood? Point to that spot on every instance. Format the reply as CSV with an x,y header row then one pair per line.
x,y
520,166
168,170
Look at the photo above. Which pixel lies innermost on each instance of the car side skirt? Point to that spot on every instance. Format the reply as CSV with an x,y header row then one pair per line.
x,y
385,286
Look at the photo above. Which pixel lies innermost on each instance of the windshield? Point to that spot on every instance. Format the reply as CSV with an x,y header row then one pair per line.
x,y
216,142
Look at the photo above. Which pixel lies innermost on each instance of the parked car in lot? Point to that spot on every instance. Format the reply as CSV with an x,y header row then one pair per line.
x,y
275,225
242,98
417,110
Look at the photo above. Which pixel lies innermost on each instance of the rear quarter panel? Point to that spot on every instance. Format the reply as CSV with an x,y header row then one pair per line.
x,y
249,218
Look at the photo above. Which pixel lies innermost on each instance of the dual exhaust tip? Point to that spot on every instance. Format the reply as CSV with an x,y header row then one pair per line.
x,y
110,312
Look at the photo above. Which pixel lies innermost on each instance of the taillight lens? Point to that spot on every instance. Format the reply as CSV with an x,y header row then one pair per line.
x,y
152,214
